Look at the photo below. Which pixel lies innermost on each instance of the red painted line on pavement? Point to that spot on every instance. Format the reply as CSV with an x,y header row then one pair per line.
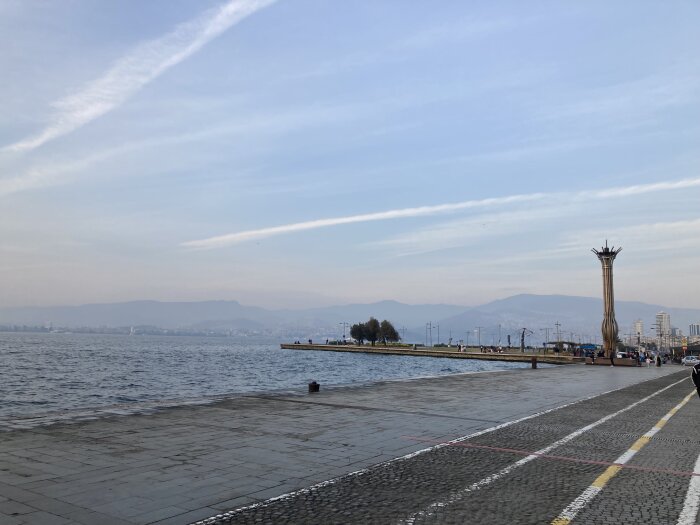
x,y
559,458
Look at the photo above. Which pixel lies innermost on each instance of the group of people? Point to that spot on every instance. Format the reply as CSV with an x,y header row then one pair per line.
x,y
640,357
482,348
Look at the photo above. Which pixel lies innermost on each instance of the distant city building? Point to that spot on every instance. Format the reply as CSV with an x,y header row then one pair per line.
x,y
663,324
639,328
694,329
676,332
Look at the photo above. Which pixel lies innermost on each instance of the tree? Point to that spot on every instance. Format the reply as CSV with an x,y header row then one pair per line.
x,y
357,332
388,333
372,330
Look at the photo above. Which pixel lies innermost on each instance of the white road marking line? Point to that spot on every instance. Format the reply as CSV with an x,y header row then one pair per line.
x,y
689,514
457,496
576,506
313,488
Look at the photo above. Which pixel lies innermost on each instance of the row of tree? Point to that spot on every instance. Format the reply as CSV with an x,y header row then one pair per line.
x,y
374,331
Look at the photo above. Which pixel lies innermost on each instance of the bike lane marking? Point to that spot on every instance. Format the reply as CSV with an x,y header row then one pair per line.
x,y
228,515
689,514
576,506
457,496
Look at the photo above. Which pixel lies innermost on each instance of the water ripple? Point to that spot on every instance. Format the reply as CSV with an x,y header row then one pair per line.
x,y
53,377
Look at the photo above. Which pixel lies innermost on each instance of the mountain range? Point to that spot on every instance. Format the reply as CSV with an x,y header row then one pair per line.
x,y
487,323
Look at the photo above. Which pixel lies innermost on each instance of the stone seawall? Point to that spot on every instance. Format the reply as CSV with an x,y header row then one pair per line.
x,y
452,353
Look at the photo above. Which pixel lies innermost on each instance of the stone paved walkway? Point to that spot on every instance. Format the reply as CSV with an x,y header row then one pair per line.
x,y
185,464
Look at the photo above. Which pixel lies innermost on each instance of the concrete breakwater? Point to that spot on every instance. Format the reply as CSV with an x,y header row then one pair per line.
x,y
444,352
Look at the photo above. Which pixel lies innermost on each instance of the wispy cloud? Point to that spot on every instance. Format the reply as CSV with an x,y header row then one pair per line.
x,y
456,233
655,238
52,173
629,101
423,211
133,71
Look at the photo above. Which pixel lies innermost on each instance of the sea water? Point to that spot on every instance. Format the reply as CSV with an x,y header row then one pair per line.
x,y
48,377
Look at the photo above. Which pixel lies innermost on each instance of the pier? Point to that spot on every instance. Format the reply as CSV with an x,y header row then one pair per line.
x,y
444,352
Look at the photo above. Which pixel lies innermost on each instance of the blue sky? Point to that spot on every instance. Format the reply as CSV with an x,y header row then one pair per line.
x,y
293,154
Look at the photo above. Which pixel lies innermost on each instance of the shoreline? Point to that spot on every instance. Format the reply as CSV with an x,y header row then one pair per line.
x,y
176,466
85,414
437,352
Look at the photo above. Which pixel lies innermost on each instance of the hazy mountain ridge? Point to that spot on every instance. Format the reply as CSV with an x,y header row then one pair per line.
x,y
578,315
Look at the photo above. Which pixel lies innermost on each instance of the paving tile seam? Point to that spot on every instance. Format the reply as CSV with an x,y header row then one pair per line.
x,y
607,433
388,410
522,452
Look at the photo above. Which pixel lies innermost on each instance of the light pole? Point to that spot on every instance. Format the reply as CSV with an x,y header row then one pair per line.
x,y
478,331
658,348
546,337
344,326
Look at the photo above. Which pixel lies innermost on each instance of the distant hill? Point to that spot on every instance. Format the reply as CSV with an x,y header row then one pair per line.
x,y
399,314
136,313
577,315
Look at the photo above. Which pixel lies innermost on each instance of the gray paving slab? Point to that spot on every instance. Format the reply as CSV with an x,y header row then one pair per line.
x,y
137,468
499,477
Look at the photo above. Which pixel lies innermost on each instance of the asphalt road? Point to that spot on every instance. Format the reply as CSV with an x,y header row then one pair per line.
x,y
627,457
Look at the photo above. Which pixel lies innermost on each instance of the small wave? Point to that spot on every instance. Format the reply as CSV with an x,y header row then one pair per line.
x,y
125,399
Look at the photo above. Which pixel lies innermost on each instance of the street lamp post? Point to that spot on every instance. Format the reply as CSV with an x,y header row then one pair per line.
x,y
344,326
546,337
478,331
658,348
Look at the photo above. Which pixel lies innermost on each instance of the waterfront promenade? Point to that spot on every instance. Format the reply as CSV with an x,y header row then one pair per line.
x,y
181,465
509,354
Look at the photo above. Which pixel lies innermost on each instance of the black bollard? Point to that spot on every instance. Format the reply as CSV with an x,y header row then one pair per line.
x,y
314,386
534,362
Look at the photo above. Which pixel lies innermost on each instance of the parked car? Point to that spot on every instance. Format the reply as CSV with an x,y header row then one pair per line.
x,y
690,360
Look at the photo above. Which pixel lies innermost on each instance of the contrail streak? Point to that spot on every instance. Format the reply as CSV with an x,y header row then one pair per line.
x,y
422,211
133,71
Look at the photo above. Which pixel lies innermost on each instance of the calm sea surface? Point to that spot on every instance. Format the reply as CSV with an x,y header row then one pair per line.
x,y
61,376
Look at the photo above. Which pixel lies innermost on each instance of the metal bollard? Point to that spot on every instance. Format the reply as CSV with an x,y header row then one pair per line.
x,y
314,386
534,361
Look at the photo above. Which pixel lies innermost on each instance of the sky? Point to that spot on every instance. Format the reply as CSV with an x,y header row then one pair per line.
x,y
306,153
